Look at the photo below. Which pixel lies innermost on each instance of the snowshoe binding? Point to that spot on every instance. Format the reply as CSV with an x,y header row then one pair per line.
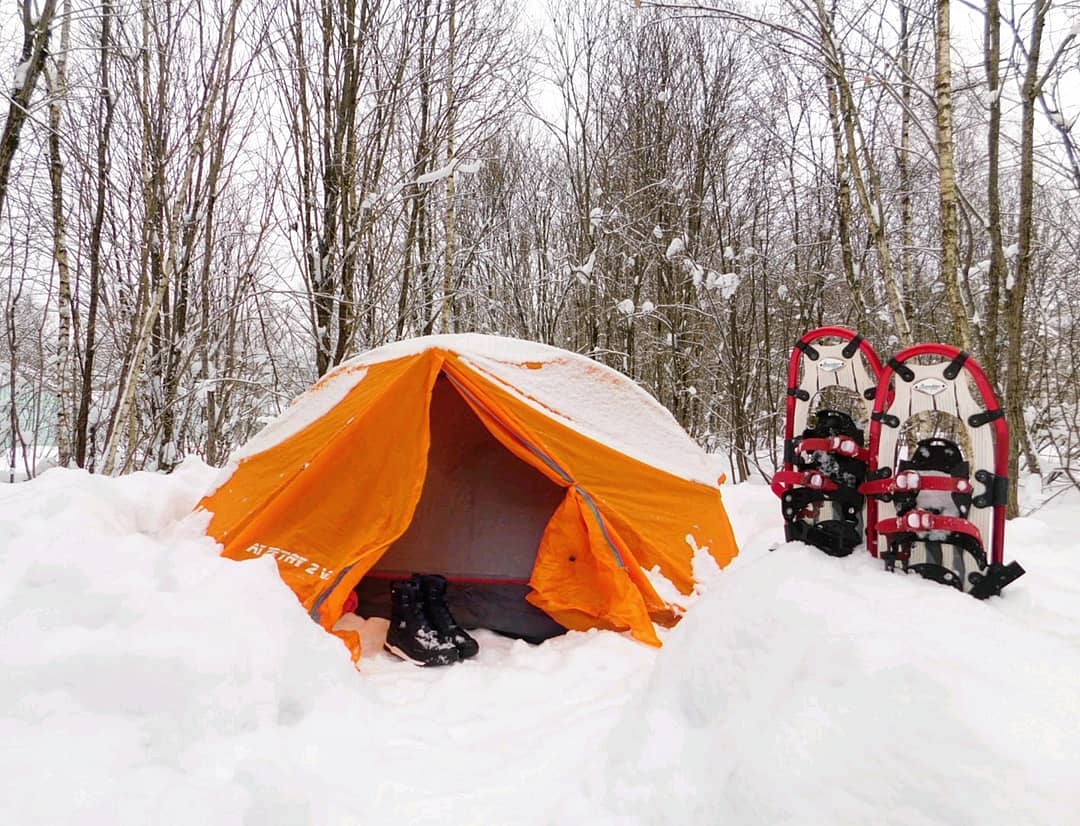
x,y
824,465
935,418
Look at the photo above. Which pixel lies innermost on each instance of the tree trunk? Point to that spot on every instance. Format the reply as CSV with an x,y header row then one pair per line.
x,y
990,355
31,64
907,242
57,87
448,312
1016,375
101,176
950,229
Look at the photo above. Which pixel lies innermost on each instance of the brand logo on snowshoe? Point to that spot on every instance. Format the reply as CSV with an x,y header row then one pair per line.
x,y
930,387
830,365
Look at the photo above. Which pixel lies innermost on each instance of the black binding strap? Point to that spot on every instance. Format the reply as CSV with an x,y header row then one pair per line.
x,y
979,419
955,366
809,350
996,493
886,419
870,393
852,346
801,395
902,370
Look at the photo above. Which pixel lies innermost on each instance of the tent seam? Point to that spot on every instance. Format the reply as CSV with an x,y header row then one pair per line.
x,y
550,463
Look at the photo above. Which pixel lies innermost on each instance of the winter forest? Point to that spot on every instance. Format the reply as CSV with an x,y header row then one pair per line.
x,y
207,204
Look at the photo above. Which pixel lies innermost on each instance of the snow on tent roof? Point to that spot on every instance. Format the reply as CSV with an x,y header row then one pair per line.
x,y
595,400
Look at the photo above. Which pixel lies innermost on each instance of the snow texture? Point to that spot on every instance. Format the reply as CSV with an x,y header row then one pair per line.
x,y
147,680
723,283
21,72
991,96
626,306
675,248
583,394
596,218
437,174
585,271
305,409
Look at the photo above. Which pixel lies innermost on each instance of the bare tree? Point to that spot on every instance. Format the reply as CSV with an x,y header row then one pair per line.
x,y
36,32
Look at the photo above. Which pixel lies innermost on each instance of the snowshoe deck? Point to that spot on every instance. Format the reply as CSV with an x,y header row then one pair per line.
x,y
825,457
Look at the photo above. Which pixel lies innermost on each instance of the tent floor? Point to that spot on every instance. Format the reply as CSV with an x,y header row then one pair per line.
x,y
499,606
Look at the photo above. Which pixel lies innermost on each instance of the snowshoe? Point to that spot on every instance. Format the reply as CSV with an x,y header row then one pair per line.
x,y
825,464
936,418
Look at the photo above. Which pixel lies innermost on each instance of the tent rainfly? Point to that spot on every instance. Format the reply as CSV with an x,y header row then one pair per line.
x,y
550,487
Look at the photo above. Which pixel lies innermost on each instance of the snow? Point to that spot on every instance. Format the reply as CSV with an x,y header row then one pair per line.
x,y
585,271
593,399
647,307
21,72
626,306
443,172
437,174
596,218
697,273
147,680
305,409
675,248
725,283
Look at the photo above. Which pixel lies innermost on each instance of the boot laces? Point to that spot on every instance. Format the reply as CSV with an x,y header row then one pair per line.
x,y
440,616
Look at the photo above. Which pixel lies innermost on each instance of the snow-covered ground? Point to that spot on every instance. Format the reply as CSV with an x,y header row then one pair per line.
x,y
144,680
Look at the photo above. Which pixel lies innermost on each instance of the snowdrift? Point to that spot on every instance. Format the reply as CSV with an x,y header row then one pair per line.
x,y
147,680
805,689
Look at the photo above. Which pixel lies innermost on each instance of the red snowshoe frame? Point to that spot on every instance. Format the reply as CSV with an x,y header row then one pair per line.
x,y
905,398
804,493
906,389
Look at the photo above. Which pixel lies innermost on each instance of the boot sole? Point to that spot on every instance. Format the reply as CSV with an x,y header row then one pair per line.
x,y
397,652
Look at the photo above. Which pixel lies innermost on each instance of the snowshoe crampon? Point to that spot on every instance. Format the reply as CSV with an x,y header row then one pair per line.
x,y
937,478
832,380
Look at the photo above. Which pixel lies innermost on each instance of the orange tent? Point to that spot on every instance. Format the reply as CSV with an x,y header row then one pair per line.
x,y
451,453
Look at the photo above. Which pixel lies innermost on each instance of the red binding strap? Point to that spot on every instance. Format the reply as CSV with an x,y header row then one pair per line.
x,y
920,521
814,479
911,481
843,445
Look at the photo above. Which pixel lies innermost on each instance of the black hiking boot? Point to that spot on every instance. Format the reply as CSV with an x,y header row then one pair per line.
x,y
410,635
433,595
